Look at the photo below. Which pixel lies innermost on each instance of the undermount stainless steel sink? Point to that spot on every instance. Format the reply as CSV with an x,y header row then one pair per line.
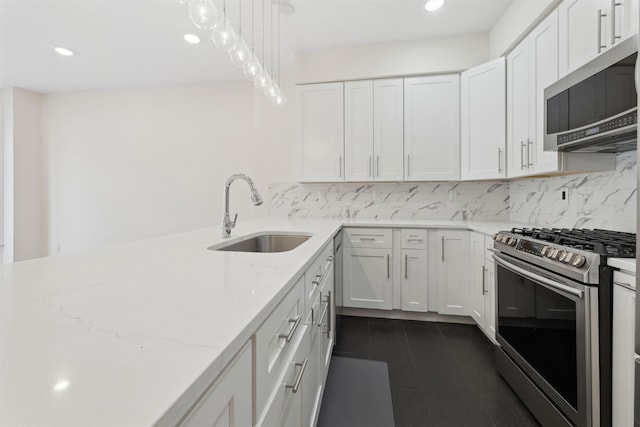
x,y
264,243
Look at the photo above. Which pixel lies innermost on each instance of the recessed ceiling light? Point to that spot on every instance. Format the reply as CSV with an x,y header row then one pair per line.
x,y
63,51
192,38
432,5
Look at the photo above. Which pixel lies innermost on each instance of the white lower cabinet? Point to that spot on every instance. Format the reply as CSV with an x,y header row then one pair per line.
x,y
367,278
285,408
414,280
482,283
452,272
228,402
624,308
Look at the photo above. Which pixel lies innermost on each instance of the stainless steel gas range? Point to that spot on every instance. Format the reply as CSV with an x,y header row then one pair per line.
x,y
553,320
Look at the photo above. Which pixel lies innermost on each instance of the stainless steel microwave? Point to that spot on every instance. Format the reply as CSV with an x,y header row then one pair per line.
x,y
595,108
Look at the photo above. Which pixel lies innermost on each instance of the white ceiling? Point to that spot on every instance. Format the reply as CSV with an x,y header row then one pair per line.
x,y
138,43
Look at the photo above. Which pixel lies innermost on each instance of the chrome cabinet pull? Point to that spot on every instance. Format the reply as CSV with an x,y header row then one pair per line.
x,y
522,165
340,166
317,280
329,326
408,165
499,160
296,322
324,312
388,274
614,37
329,262
370,174
368,239
406,266
484,290
443,248
415,240
600,16
296,383
529,151
377,165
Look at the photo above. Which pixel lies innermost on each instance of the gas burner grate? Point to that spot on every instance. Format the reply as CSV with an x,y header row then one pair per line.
x,y
603,242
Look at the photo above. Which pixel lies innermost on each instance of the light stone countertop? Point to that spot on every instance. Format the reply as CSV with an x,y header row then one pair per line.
x,y
131,335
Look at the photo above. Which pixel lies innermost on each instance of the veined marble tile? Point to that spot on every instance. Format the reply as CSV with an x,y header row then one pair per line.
x,y
596,200
408,200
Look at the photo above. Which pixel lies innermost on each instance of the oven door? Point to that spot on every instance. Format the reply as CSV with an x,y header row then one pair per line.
x,y
547,324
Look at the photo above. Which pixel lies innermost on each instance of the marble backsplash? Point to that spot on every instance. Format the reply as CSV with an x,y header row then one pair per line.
x,y
409,200
595,200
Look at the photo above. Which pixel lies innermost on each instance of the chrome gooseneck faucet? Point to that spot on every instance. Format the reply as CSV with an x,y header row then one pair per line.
x,y
227,224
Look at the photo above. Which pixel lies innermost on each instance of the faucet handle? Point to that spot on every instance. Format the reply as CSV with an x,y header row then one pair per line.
x,y
235,218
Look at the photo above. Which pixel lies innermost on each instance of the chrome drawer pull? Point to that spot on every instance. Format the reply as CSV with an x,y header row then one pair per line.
x,y
415,240
292,331
324,312
298,380
368,239
317,280
329,319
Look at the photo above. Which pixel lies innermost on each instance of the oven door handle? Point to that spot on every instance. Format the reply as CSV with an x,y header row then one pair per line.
x,y
538,278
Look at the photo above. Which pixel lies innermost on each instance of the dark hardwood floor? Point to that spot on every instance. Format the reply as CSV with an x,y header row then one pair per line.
x,y
441,374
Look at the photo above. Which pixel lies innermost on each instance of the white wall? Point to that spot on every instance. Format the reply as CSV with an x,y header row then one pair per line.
x,y
27,175
131,164
516,22
437,55
21,175
6,221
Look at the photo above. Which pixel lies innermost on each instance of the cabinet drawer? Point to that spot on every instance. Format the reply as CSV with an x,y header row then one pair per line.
x,y
317,273
624,279
228,401
284,405
274,342
414,239
368,238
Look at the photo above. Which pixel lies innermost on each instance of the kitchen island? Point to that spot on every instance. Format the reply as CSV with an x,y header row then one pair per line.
x,y
132,335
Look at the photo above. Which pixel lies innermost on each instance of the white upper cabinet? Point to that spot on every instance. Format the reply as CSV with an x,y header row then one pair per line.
x,y
321,132
482,121
388,132
358,130
589,27
374,130
518,106
531,67
543,60
432,128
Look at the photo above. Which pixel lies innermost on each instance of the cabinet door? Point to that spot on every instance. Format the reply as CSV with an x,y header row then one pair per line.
x,y
388,129
490,299
414,280
432,128
478,278
624,303
543,63
326,323
482,119
321,132
453,276
583,32
518,105
367,278
228,403
627,13
358,130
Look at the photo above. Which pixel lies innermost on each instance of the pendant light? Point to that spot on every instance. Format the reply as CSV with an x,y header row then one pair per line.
x,y
263,79
240,54
203,13
279,99
222,34
252,68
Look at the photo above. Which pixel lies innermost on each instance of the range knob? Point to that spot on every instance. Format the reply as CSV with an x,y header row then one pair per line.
x,y
546,250
496,236
560,255
554,253
512,241
568,257
578,261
